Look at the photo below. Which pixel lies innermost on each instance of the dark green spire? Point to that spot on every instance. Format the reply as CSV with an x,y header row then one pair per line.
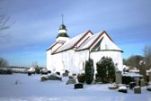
x,y
62,30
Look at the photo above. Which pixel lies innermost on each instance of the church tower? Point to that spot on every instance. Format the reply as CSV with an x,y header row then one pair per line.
x,y
62,33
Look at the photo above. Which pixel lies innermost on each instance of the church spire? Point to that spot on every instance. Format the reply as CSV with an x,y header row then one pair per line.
x,y
62,29
62,32
62,19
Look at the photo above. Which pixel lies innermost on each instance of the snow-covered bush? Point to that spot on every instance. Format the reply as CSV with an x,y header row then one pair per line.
x,y
81,78
51,77
44,78
31,70
66,73
113,86
7,71
44,71
37,70
54,77
71,80
122,89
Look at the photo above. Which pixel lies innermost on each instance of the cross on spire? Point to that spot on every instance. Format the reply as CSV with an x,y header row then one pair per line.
x,y
62,18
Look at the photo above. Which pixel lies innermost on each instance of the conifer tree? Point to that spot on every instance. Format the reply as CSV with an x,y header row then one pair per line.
x,y
106,69
89,71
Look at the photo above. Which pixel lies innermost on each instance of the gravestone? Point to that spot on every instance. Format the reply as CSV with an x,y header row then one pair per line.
x,y
71,80
137,90
78,86
118,77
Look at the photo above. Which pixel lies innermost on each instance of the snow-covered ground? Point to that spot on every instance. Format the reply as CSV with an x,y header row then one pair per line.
x,y
30,88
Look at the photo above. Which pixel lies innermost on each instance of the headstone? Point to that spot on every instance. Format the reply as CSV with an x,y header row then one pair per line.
x,y
118,77
78,86
137,90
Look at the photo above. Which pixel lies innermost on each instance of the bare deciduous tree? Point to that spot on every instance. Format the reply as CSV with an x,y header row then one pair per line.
x,y
3,21
133,61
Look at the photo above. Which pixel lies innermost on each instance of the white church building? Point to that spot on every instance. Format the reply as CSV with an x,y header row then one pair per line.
x,y
71,53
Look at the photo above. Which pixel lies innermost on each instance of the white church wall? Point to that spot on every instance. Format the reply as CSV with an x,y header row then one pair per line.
x,y
74,61
68,60
81,58
57,63
48,62
54,62
115,55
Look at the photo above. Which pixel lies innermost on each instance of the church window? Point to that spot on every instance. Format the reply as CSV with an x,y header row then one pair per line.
x,y
97,47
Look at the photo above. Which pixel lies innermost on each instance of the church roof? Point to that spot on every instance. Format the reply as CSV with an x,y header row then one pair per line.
x,y
91,41
62,35
62,26
88,43
51,46
72,42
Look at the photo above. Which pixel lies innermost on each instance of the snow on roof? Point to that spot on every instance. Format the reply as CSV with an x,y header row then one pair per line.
x,y
104,37
62,42
71,43
88,42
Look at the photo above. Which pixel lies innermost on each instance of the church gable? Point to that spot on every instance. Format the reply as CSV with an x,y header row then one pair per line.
x,y
104,43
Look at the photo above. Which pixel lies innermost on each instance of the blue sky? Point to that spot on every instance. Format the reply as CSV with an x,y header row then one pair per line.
x,y
35,23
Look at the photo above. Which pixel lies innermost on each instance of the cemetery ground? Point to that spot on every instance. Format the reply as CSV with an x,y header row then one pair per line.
x,y
21,87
